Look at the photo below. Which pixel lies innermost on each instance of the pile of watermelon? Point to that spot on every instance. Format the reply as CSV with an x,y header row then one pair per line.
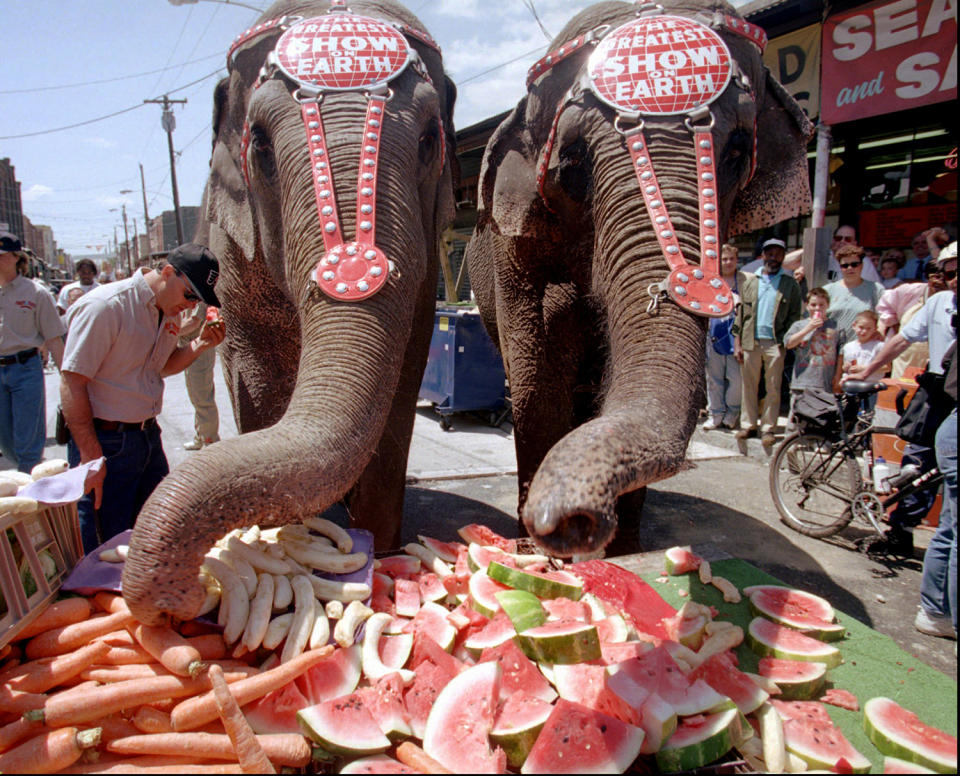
x,y
501,662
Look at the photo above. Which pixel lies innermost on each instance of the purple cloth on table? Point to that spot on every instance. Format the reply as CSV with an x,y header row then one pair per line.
x,y
62,488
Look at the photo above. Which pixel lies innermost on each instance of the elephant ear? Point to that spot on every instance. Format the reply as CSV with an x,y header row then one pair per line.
x,y
780,188
227,199
509,199
446,209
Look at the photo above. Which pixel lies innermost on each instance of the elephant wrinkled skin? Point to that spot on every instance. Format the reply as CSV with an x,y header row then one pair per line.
x,y
606,394
324,391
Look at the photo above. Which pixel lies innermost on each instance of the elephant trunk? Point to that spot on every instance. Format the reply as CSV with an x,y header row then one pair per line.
x,y
654,373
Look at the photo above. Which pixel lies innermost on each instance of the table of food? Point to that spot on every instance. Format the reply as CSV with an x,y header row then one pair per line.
x,y
314,653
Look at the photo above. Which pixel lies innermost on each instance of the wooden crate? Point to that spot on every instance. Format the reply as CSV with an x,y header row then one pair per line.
x,y
37,551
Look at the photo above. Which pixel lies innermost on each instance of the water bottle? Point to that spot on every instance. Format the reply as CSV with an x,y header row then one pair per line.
x,y
907,474
881,473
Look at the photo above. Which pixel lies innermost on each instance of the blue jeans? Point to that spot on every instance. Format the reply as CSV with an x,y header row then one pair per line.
x,y
135,465
23,413
938,587
723,386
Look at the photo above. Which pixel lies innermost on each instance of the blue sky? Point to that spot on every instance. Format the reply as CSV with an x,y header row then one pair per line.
x,y
65,62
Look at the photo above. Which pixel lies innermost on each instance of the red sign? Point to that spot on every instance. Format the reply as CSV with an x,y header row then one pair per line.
x,y
341,52
888,56
660,65
896,227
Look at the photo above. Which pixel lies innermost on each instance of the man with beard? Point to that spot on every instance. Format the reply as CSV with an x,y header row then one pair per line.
x,y
87,281
770,303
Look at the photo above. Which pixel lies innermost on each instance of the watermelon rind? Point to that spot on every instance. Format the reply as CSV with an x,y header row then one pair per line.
x,y
694,747
343,726
451,735
597,609
909,739
613,629
818,622
813,749
432,620
658,719
819,607
517,736
561,642
378,763
768,639
493,635
479,557
483,590
677,560
538,584
798,680
896,765
446,551
523,609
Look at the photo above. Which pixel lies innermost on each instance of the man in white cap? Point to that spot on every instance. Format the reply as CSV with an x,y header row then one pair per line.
x,y
123,340
770,302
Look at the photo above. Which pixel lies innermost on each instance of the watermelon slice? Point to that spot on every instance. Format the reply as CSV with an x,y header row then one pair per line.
x,y
333,677
398,566
395,650
699,742
896,765
343,726
425,648
420,696
446,551
483,590
276,712
587,685
458,728
797,609
768,639
561,642
499,630
688,631
678,560
897,732
809,711
406,597
617,652
432,588
567,609
723,676
378,763
797,679
384,701
432,620
479,557
810,734
518,723
518,673
523,609
576,739
612,630
486,537
626,593
549,584
843,699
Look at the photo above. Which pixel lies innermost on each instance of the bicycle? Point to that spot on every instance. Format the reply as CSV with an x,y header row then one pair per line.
x,y
817,481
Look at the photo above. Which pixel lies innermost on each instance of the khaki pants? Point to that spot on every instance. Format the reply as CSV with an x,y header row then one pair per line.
x,y
770,356
199,379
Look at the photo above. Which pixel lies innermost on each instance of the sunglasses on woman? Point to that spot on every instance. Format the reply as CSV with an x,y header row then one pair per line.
x,y
852,264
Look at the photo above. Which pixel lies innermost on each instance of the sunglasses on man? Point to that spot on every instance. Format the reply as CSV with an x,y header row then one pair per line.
x,y
188,295
851,265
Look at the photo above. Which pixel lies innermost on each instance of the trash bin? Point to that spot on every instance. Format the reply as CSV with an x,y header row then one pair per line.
x,y
464,371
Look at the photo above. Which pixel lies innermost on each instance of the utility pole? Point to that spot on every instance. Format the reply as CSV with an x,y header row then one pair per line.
x,y
169,124
136,243
126,239
146,216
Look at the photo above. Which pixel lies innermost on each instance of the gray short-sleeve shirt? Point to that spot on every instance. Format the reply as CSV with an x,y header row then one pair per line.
x,y
118,339
28,316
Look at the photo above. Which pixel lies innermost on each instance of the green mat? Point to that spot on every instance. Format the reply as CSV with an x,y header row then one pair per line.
x,y
873,663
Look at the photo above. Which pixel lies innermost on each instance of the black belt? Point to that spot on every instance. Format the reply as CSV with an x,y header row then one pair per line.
x,y
116,425
23,356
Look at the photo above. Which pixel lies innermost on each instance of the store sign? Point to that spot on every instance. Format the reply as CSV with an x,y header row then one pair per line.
x,y
888,56
342,52
794,60
896,227
660,65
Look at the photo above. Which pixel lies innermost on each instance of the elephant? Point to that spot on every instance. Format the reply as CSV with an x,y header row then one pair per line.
x,y
606,372
323,386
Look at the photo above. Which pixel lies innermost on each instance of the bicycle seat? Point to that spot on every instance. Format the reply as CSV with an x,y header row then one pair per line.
x,y
863,386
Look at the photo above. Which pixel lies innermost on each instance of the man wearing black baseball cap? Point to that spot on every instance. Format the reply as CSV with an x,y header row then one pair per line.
x,y
122,341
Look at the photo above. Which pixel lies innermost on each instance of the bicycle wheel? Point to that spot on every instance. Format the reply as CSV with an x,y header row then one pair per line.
x,y
812,484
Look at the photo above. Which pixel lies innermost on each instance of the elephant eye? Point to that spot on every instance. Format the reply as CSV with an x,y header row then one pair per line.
x,y
574,173
429,141
737,151
263,150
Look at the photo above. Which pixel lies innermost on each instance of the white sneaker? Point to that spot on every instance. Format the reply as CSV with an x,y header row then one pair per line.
x,y
712,424
933,625
193,444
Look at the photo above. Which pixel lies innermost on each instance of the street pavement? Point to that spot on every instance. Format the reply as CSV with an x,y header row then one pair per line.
x,y
722,501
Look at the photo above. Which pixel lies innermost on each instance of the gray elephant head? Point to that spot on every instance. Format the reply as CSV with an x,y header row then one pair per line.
x,y
330,183
592,190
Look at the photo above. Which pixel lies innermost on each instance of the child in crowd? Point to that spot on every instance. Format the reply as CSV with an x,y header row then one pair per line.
x,y
889,268
817,342
865,346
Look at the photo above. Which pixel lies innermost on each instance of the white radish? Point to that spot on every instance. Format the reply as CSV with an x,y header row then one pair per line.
x,y
304,614
17,505
354,615
21,478
110,556
719,642
331,589
260,609
715,626
242,569
373,667
274,550
8,487
325,558
260,561
771,734
212,597
340,537
233,593
282,592
429,559
277,630
705,573
49,468
730,593
320,633
334,609
251,535
765,683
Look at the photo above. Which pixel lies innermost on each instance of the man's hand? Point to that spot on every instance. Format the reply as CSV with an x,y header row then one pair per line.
x,y
858,373
211,334
94,482
738,351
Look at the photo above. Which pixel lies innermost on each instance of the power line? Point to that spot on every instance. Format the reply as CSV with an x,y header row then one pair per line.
x,y
109,80
173,49
497,67
533,10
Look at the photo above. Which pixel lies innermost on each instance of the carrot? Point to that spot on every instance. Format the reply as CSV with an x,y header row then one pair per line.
x,y
46,673
250,753
110,602
410,754
14,732
192,628
16,702
151,720
165,705
115,726
65,612
49,751
106,674
119,638
209,645
283,749
5,651
64,639
125,656
75,708
195,712
154,765
171,649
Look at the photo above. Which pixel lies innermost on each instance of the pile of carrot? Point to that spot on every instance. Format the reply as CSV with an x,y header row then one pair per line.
x,y
88,689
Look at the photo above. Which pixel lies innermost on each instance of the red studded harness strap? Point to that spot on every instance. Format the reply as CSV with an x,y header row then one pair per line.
x,y
341,52
661,65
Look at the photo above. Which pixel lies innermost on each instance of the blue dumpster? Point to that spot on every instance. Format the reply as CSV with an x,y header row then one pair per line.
x,y
464,371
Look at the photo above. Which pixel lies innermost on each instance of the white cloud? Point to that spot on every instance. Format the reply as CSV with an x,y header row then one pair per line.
x,y
99,142
36,192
